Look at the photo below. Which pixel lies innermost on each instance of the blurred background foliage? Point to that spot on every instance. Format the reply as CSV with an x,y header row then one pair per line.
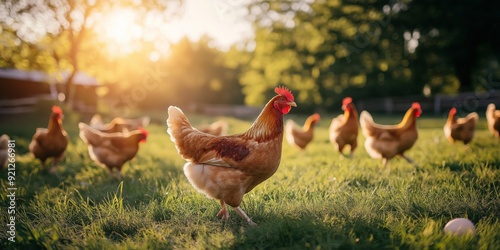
x,y
321,49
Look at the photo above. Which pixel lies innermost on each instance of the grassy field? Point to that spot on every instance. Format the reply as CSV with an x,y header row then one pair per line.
x,y
316,200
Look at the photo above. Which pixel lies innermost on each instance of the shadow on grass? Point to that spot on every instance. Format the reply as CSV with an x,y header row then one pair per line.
x,y
306,232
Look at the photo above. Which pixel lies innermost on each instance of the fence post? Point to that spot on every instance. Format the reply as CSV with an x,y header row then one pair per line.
x,y
437,104
388,105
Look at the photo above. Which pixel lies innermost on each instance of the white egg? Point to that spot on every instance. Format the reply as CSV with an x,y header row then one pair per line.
x,y
460,226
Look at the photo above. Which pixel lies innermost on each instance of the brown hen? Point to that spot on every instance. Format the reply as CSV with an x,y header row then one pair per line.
x,y
227,167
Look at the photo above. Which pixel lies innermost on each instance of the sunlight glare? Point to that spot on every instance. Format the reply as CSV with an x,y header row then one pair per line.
x,y
119,27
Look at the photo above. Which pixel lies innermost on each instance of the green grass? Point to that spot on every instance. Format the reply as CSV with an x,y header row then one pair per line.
x,y
315,200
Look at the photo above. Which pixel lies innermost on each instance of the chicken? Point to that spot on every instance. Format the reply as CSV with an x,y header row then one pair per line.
x,y
387,141
217,128
112,150
493,118
227,167
461,129
50,142
96,121
118,124
300,137
4,150
344,128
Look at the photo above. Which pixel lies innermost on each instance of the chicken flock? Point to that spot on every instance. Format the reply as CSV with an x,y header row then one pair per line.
x,y
226,167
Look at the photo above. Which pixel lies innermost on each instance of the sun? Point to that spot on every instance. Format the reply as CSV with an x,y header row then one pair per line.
x,y
119,27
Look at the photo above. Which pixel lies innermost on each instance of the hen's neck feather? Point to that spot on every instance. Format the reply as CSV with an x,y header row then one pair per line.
x,y
452,118
408,120
353,114
308,124
268,125
54,124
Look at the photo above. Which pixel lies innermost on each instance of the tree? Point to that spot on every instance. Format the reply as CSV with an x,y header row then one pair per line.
x,y
61,27
461,33
199,75
192,74
325,49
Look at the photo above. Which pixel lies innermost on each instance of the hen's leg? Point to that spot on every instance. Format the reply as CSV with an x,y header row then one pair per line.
x,y
223,212
244,216
54,164
351,155
353,147
43,163
340,149
384,162
111,174
407,158
118,174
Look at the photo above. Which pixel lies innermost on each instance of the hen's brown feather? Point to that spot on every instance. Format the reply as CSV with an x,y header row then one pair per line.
x,y
461,129
118,124
242,151
112,150
50,142
301,136
344,129
493,118
227,167
387,141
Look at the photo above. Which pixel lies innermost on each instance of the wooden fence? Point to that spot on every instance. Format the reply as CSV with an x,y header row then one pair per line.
x,y
438,104
28,105
19,105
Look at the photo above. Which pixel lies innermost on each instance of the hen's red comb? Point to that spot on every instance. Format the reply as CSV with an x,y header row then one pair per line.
x,y
416,105
283,91
144,131
346,101
57,110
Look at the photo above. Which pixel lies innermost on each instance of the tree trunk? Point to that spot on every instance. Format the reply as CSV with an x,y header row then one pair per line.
x,y
465,59
68,88
463,67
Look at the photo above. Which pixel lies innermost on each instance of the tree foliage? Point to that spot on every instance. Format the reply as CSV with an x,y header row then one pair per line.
x,y
194,73
327,49
322,49
53,35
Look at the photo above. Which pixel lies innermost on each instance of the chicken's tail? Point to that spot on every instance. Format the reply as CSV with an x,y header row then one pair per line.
x,y
220,127
88,134
289,126
472,118
145,121
138,122
178,125
490,111
96,121
4,142
366,122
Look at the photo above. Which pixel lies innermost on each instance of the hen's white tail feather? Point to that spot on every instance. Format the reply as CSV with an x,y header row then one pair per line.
x,y
96,121
366,122
178,124
88,134
474,116
290,125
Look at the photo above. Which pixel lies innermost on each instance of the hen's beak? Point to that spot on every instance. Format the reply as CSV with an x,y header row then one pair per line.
x,y
293,104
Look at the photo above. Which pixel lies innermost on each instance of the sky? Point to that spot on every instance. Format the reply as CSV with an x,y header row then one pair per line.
x,y
222,20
